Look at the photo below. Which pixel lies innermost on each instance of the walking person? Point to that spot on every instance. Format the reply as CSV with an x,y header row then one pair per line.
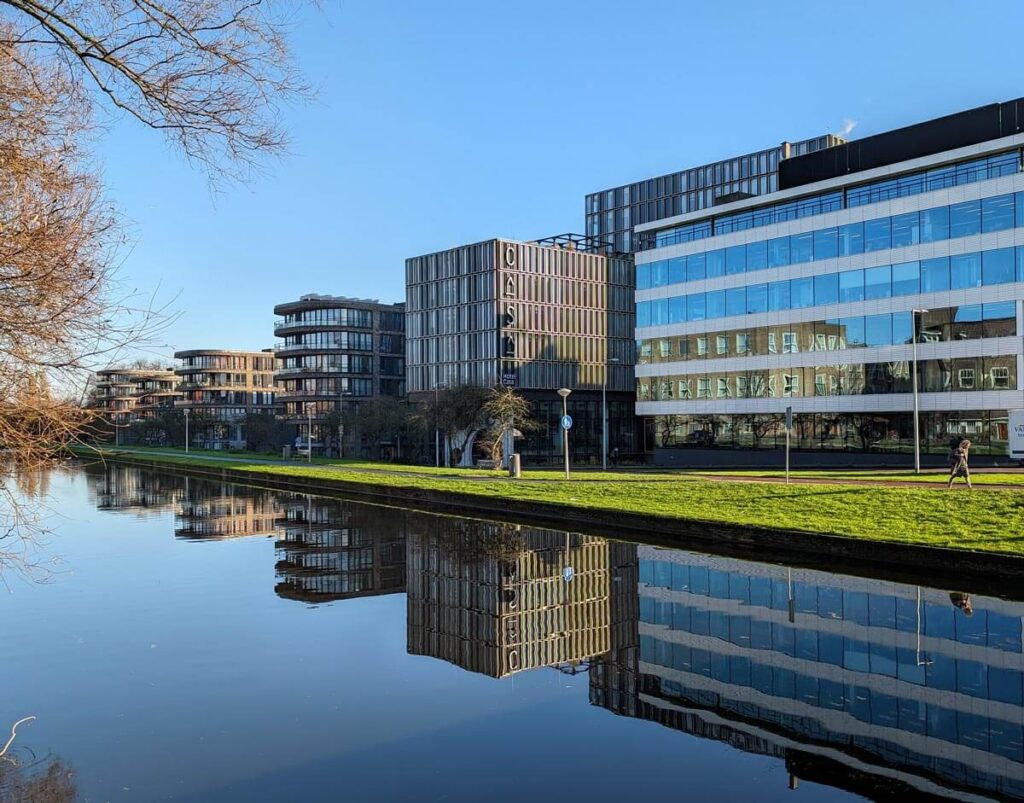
x,y
958,457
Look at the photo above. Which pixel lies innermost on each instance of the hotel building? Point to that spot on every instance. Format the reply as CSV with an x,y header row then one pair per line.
x,y
537,316
612,214
337,351
219,389
882,688
813,296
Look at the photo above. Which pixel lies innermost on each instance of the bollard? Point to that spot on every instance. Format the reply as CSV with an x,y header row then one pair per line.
x,y
515,467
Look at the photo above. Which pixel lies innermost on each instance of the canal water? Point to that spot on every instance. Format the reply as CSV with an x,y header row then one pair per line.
x,y
181,639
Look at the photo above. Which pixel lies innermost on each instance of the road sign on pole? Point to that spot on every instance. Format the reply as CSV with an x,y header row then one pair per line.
x,y
568,573
566,422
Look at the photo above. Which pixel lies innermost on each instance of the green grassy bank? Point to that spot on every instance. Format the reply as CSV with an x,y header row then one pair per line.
x,y
991,520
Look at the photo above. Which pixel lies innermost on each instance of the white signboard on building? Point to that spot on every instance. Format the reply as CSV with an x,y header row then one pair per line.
x,y
1016,442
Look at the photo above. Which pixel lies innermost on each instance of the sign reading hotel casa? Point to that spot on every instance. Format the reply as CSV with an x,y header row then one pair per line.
x,y
508,379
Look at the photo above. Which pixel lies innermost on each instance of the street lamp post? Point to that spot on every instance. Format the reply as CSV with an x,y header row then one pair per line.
x,y
917,416
564,393
186,430
309,433
604,415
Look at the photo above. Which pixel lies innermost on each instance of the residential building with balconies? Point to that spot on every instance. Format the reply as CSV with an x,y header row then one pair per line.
x,y
220,389
335,352
127,395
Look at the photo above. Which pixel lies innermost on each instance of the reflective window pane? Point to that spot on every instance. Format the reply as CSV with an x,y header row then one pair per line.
x,y
801,293
659,273
643,313
965,219
878,282
736,259
801,248
826,288
757,256
997,213
901,328
906,279
997,266
878,330
877,234
677,270
778,296
643,276
695,267
851,239
854,331
696,307
716,263
778,252
851,285
965,271
736,301
757,298
677,309
1019,221
934,274
935,224
826,243
999,319
906,229
716,304
659,312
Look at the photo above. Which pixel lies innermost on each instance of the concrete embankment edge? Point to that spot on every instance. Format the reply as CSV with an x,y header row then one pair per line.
x,y
956,568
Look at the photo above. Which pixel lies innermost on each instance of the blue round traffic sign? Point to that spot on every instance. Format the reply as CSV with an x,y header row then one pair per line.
x,y
566,422
568,573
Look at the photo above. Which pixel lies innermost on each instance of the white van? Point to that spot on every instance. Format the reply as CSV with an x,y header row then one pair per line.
x,y
1015,444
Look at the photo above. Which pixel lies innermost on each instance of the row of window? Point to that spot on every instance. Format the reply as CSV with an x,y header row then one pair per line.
x,y
848,379
219,397
945,324
943,671
957,174
227,362
876,432
964,271
349,341
337,386
871,706
984,628
333,316
929,225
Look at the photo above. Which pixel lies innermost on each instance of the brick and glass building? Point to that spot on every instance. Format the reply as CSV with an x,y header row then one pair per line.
x,y
613,214
127,395
334,352
812,296
220,389
537,316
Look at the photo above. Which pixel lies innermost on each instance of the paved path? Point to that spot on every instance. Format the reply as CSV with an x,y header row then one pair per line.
x,y
611,477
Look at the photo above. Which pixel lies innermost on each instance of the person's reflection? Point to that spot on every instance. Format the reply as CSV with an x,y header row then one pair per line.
x,y
962,601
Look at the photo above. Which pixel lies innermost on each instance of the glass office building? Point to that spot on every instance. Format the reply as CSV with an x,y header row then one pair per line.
x,y
612,214
813,297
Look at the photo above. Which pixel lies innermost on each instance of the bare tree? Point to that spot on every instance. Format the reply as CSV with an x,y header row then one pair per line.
x,y
210,75
507,412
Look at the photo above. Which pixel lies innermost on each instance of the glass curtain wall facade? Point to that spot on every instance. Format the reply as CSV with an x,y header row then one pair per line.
x,y
335,352
612,214
219,389
790,301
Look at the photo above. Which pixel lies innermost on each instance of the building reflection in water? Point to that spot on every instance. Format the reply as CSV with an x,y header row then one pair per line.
x,y
882,688
857,683
332,550
211,510
498,599
120,488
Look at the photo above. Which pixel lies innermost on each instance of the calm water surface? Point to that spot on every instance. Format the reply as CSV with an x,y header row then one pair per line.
x,y
205,641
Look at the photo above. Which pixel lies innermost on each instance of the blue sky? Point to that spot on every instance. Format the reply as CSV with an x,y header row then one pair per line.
x,y
443,122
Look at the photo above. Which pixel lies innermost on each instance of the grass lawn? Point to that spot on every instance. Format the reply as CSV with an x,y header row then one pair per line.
x,y
992,520
940,476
